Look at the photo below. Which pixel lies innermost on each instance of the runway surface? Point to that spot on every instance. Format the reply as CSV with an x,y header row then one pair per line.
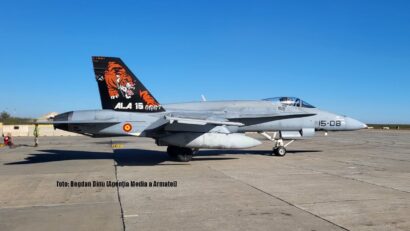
x,y
344,181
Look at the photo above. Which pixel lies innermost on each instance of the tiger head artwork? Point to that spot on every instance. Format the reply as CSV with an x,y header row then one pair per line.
x,y
118,81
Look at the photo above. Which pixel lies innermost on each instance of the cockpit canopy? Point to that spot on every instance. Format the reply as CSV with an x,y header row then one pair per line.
x,y
290,101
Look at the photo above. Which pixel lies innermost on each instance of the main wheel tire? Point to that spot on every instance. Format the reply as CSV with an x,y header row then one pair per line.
x,y
185,154
280,151
173,151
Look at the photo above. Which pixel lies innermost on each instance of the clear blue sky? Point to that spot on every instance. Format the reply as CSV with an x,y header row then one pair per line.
x,y
349,57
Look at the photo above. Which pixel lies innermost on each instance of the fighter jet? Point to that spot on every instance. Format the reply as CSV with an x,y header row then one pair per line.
x,y
129,109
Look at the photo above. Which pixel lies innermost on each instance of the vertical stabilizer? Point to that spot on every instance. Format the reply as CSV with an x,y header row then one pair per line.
x,y
120,89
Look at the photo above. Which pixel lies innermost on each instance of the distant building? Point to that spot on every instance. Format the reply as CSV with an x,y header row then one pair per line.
x,y
47,116
28,129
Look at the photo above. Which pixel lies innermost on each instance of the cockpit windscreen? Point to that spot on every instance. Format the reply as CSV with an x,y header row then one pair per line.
x,y
290,101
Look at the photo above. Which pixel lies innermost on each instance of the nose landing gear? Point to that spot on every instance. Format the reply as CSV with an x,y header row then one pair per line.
x,y
279,147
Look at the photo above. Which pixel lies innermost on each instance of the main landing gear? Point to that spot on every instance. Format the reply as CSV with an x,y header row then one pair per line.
x,y
279,147
181,154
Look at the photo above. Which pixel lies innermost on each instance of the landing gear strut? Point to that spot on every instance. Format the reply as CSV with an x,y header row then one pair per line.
x,y
279,147
181,154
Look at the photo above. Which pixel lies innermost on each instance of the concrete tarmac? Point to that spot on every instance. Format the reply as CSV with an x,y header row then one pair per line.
x,y
344,181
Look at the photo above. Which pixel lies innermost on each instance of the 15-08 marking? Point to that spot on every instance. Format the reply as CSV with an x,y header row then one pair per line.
x,y
332,123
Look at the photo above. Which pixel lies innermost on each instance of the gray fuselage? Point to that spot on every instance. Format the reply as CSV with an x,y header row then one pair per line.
x,y
253,114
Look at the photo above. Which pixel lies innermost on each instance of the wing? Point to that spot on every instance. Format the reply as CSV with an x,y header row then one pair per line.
x,y
213,122
229,119
78,122
199,121
193,122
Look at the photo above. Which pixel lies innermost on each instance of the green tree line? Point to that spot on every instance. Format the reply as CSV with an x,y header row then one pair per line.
x,y
6,118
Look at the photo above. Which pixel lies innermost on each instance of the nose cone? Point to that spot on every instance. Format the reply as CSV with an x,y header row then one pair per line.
x,y
352,124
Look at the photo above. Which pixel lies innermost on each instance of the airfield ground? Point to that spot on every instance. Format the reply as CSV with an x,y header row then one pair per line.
x,y
344,181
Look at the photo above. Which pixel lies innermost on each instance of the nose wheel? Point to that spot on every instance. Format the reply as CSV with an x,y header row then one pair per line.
x,y
279,151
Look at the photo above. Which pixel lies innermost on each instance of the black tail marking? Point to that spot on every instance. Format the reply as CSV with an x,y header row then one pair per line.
x,y
120,89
